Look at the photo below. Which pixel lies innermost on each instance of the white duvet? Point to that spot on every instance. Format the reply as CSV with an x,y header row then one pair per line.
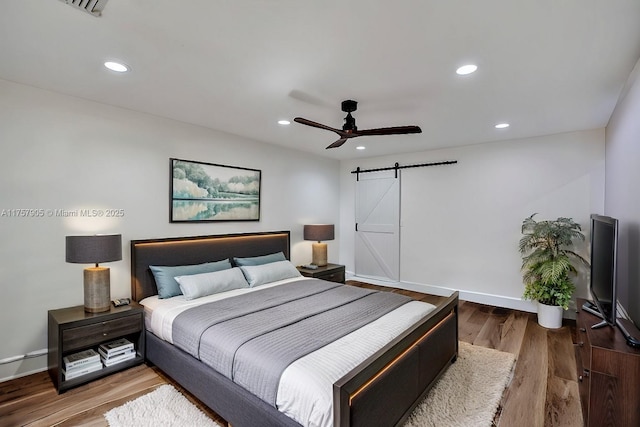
x,y
305,392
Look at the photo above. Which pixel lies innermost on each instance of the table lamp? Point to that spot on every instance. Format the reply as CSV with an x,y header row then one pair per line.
x,y
318,233
94,250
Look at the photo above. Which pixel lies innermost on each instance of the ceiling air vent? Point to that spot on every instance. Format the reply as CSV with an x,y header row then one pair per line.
x,y
94,7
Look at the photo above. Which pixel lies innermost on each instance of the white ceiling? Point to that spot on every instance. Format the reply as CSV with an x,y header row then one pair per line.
x,y
544,66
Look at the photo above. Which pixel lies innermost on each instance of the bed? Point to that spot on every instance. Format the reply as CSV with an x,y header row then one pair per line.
x,y
381,390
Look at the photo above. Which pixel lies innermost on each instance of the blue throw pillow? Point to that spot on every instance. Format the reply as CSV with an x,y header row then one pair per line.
x,y
259,260
164,275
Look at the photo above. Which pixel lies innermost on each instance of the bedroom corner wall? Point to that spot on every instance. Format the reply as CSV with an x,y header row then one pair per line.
x,y
460,224
622,199
63,153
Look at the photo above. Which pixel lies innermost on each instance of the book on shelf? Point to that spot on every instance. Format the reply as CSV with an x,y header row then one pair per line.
x,y
81,370
81,358
113,360
105,355
118,346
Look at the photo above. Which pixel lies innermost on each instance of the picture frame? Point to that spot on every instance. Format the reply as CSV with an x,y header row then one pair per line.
x,y
209,192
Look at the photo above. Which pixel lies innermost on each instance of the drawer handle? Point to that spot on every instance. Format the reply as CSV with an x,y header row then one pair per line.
x,y
581,344
583,330
585,373
104,334
580,378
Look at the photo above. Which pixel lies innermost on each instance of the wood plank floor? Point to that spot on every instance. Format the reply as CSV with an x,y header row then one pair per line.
x,y
543,391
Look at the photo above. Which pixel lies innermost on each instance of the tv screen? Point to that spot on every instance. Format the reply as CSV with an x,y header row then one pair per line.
x,y
604,243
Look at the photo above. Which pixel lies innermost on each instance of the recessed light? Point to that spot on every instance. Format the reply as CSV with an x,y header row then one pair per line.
x,y
502,125
118,67
361,147
284,122
466,69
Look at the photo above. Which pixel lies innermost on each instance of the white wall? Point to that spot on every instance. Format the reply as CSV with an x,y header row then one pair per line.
x,y
460,224
66,153
622,196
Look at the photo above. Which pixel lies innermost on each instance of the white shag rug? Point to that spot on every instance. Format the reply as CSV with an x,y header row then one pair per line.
x,y
468,394
163,407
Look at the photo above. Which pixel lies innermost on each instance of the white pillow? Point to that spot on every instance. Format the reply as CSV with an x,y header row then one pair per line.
x,y
199,285
266,273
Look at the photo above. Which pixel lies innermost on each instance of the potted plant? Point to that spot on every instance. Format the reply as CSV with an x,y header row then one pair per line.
x,y
547,264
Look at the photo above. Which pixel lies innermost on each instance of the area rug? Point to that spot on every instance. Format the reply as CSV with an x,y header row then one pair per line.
x,y
468,394
163,407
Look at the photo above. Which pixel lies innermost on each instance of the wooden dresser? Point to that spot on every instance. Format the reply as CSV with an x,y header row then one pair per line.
x,y
608,374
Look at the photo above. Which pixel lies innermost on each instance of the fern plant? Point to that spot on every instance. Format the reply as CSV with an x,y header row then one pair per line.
x,y
547,259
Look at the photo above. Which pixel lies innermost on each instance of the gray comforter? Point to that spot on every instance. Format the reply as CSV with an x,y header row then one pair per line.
x,y
252,338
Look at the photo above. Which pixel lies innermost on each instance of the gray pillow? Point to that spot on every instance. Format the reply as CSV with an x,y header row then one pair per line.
x,y
164,275
259,260
200,285
266,273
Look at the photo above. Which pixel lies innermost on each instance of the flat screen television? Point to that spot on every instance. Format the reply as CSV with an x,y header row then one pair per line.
x,y
604,249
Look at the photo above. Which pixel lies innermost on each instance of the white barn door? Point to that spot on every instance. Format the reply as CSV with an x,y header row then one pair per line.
x,y
377,246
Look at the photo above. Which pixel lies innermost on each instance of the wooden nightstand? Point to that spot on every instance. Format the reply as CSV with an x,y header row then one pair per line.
x,y
330,272
72,330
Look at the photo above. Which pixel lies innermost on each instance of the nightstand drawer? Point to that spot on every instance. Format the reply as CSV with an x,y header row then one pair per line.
x,y
84,336
330,272
336,276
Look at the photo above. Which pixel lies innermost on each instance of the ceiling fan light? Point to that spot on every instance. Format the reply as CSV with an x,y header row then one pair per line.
x,y
466,69
502,125
361,147
284,122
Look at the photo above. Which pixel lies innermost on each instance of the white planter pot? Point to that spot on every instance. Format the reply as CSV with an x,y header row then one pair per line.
x,y
550,316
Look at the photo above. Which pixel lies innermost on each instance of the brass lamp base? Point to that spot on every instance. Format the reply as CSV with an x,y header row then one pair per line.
x,y
97,291
319,254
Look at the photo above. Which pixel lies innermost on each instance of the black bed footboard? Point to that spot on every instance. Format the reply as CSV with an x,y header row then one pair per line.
x,y
385,388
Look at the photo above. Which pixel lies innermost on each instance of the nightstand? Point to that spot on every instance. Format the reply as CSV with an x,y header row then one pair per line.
x,y
72,330
330,272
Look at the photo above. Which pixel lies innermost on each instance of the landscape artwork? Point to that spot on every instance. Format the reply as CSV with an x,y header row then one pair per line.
x,y
210,192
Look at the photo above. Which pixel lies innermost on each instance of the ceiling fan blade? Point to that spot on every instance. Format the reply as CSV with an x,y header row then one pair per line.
x,y
338,143
317,125
397,130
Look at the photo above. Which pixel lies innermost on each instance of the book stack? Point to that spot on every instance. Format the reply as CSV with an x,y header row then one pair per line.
x,y
116,351
82,363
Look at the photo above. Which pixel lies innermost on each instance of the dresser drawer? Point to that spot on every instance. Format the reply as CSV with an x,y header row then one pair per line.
x,y
584,346
83,336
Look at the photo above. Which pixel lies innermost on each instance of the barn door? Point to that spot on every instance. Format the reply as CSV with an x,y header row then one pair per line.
x,y
377,246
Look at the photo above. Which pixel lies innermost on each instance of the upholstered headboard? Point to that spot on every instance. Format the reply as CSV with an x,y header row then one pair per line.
x,y
196,250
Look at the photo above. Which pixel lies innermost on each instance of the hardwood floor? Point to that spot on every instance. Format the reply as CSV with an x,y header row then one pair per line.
x,y
543,391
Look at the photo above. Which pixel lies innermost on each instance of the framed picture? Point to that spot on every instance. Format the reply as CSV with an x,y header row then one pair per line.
x,y
209,192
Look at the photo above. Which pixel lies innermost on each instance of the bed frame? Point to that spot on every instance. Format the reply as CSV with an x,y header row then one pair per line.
x,y
382,391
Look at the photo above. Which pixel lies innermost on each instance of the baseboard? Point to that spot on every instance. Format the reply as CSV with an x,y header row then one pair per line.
x,y
23,365
471,296
22,374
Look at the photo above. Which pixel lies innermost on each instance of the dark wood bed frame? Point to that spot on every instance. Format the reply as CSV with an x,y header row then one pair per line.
x,y
381,391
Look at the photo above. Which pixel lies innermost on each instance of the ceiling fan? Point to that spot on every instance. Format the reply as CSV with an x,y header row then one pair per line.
x,y
350,130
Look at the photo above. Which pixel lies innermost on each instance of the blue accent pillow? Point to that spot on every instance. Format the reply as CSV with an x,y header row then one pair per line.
x,y
200,285
164,275
258,275
259,260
